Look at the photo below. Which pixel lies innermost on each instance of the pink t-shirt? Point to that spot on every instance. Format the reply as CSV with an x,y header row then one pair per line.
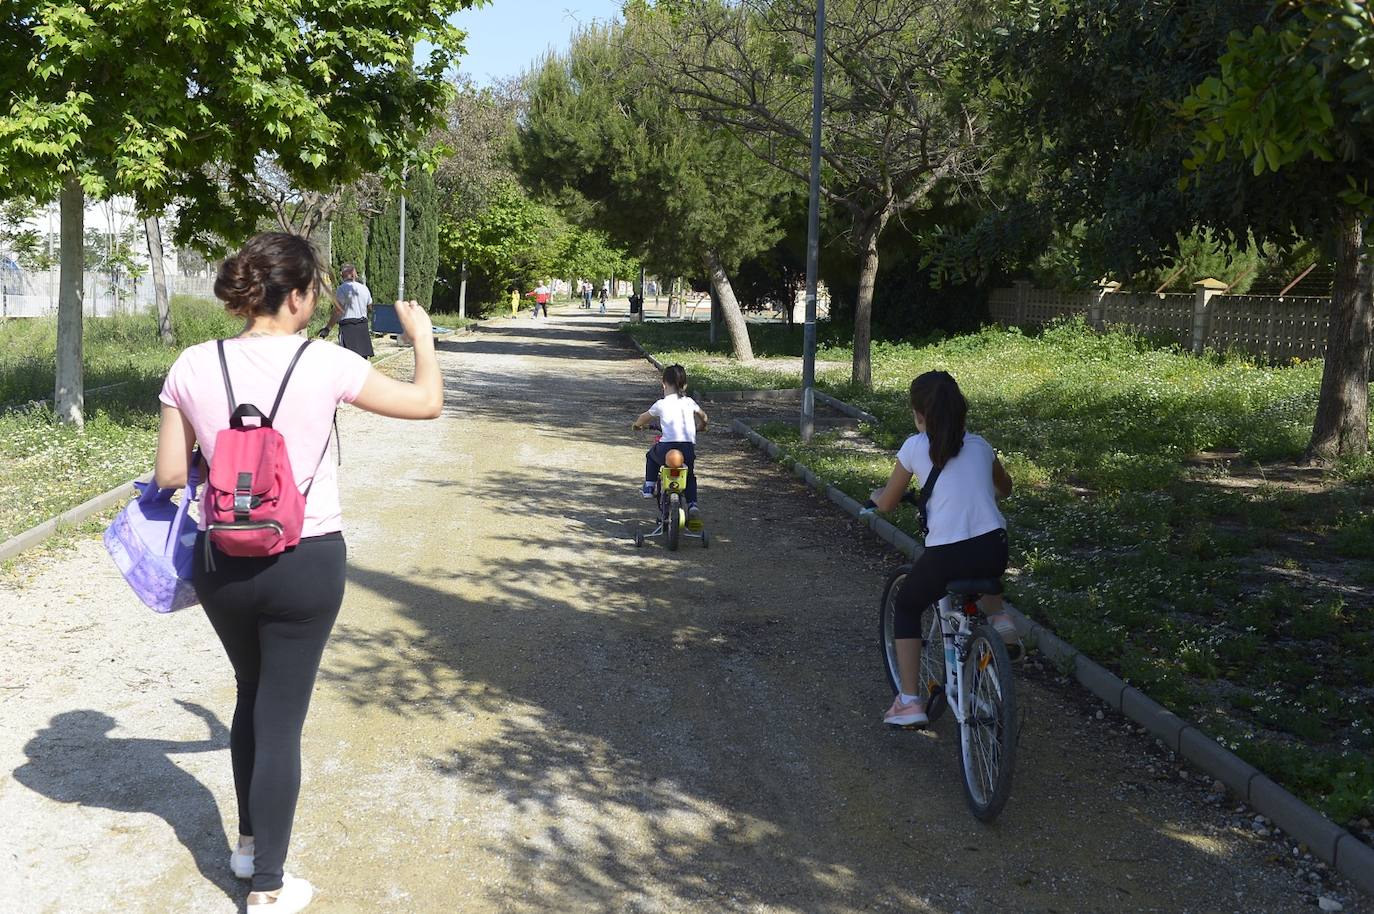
x,y
326,376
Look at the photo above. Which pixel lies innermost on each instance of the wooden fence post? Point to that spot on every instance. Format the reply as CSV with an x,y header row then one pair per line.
x,y
1023,287
1206,289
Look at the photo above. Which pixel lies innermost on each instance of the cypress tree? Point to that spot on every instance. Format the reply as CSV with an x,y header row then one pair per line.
x,y
349,237
422,244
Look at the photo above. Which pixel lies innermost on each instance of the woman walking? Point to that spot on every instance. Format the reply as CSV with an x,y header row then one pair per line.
x,y
274,613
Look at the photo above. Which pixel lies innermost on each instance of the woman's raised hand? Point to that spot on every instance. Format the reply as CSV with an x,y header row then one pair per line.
x,y
414,321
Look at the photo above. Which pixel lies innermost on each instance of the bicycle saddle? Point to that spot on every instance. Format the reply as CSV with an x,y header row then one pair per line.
x,y
975,587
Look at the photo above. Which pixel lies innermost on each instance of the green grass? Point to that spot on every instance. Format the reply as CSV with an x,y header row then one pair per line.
x,y
1218,600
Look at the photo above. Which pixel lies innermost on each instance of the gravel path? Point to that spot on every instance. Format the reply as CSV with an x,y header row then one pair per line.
x,y
521,713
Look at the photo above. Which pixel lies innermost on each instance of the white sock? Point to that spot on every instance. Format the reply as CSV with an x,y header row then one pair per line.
x,y
907,699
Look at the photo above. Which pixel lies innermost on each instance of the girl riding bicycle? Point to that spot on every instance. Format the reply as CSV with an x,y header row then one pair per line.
x,y
967,535
680,418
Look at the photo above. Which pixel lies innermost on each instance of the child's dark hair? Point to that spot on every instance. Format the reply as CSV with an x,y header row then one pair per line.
x,y
936,396
676,376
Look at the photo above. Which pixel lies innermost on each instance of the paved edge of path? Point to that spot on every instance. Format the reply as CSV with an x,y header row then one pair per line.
x,y
1345,853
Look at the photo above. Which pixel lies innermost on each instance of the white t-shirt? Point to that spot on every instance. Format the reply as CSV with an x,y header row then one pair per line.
x,y
355,298
676,416
963,504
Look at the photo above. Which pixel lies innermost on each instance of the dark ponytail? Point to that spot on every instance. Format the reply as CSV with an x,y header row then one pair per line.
x,y
936,396
676,375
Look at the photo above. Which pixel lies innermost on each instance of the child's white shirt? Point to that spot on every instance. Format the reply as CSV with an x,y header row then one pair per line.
x,y
676,416
963,504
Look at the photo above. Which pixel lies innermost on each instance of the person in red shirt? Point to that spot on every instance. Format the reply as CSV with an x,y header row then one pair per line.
x,y
541,299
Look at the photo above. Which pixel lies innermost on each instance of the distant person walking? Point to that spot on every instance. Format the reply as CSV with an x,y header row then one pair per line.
x,y
274,612
352,308
514,300
541,299
605,293
586,295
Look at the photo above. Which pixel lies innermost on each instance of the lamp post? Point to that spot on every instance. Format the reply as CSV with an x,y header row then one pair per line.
x,y
401,280
813,237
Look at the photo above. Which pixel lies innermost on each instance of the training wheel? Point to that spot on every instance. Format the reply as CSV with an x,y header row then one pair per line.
x,y
705,540
639,540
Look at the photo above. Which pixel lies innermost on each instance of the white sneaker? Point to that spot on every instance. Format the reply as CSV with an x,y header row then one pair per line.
x,y
241,864
294,896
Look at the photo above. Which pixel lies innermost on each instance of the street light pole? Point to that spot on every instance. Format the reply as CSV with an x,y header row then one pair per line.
x,y
401,280
813,236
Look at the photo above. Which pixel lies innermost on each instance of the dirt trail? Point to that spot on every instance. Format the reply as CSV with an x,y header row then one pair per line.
x,y
521,713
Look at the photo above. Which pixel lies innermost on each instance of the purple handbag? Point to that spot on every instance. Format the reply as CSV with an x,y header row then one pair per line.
x,y
152,542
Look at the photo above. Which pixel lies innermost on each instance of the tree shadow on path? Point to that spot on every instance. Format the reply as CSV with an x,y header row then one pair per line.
x,y
75,760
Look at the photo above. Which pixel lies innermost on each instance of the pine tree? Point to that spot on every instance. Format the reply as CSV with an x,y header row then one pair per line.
x,y
350,229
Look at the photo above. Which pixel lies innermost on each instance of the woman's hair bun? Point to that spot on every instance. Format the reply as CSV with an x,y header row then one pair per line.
x,y
239,285
265,271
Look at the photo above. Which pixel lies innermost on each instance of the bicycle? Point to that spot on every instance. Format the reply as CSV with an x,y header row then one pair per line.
x,y
964,666
669,493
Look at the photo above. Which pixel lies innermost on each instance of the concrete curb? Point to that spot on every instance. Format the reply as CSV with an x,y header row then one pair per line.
x,y
1348,855
848,409
641,350
35,535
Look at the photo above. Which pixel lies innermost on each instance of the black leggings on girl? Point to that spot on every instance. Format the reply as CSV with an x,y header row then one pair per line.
x,y
981,557
274,615
659,453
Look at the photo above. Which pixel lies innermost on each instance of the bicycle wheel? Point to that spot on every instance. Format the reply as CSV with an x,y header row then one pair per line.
x,y
674,522
987,740
932,675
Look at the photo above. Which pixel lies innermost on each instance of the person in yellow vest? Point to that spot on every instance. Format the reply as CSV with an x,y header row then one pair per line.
x,y
514,301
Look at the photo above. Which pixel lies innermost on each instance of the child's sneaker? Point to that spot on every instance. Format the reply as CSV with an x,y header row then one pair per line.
x,y
906,714
693,517
648,490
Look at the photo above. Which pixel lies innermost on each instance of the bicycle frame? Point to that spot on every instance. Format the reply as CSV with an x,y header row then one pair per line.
x,y
956,627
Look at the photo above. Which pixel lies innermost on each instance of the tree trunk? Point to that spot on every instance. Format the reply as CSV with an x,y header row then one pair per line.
x,y
153,230
729,306
1342,426
69,395
862,372
715,317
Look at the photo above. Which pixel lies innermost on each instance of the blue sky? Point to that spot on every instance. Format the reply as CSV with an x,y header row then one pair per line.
x,y
507,36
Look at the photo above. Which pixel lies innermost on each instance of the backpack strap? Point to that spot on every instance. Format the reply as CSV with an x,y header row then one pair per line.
x,y
281,391
228,385
923,505
324,454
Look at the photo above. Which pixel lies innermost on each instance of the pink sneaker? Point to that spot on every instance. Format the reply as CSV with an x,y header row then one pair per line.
x,y
906,715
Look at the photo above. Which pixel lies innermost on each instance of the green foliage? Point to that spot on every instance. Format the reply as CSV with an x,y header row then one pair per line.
x,y
350,236
144,99
602,128
1082,97
503,242
1299,89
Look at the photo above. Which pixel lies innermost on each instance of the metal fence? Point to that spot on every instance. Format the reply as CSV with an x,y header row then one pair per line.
x,y
1266,326
34,294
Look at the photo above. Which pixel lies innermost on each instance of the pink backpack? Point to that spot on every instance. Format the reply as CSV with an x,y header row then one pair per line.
x,y
252,506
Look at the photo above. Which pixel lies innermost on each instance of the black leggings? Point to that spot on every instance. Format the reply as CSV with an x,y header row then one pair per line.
x,y
654,457
273,615
981,557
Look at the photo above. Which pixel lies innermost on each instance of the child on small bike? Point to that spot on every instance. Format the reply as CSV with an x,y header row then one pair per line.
x,y
967,535
680,418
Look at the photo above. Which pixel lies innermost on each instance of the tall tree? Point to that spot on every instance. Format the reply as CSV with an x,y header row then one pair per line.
x,y
1297,96
895,125
166,102
152,229
383,260
602,135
